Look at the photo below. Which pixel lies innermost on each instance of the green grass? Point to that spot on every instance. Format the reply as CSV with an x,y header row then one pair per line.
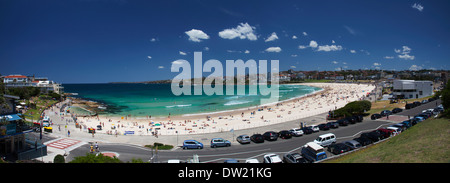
x,y
426,142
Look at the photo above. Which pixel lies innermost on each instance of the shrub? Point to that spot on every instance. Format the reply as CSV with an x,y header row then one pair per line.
x,y
353,108
59,159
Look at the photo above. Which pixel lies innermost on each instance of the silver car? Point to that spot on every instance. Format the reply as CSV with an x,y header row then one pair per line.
x,y
353,144
243,139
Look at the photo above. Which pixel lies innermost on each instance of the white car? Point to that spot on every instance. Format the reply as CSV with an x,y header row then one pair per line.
x,y
251,161
272,158
296,132
315,128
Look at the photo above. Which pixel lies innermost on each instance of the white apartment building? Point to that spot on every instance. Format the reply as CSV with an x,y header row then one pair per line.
x,y
407,89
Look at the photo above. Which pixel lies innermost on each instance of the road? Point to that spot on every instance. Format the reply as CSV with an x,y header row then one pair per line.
x,y
127,152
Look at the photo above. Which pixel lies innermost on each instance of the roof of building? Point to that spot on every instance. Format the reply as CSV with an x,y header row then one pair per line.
x,y
15,76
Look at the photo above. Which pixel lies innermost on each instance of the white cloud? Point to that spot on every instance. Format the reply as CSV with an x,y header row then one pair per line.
x,y
406,57
153,39
272,37
345,63
243,31
313,44
273,49
293,67
294,37
334,62
160,67
376,64
182,53
246,51
332,41
149,57
352,51
404,53
330,48
305,34
301,47
389,57
417,6
206,48
415,68
195,35
294,55
350,30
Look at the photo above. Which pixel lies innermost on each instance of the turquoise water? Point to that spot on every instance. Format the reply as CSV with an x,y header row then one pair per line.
x,y
157,99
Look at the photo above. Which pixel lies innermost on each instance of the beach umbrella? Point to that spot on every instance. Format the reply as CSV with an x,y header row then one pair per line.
x,y
158,124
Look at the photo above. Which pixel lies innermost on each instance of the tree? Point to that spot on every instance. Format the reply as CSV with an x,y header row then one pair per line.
x,y
445,93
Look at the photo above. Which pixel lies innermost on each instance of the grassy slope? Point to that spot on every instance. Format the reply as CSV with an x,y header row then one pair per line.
x,y
426,142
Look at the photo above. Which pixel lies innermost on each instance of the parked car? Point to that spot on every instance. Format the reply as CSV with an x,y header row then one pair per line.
x,y
243,139
270,135
359,118
192,144
257,138
251,161
364,141
385,113
400,125
220,142
339,148
296,132
375,116
374,136
325,139
324,126
342,122
396,110
313,152
417,103
351,119
315,128
272,158
384,133
293,158
409,106
284,134
395,130
307,130
231,161
353,144
333,124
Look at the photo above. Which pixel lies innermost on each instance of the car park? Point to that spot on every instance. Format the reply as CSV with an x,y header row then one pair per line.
x,y
325,139
220,142
243,139
293,158
270,136
284,134
296,132
272,158
192,144
338,148
257,138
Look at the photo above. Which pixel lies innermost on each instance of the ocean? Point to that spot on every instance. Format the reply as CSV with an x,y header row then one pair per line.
x,y
157,99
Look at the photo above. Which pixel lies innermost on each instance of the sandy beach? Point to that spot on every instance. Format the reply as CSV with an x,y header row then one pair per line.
x,y
333,96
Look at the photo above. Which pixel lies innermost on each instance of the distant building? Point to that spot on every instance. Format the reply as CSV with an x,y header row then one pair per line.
x,y
407,89
45,85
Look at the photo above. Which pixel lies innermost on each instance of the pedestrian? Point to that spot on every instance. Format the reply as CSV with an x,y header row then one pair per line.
x,y
68,133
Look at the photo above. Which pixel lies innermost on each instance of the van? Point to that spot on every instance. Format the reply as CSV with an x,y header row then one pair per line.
x,y
326,139
313,152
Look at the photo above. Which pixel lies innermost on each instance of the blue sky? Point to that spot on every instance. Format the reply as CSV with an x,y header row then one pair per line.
x,y
94,41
